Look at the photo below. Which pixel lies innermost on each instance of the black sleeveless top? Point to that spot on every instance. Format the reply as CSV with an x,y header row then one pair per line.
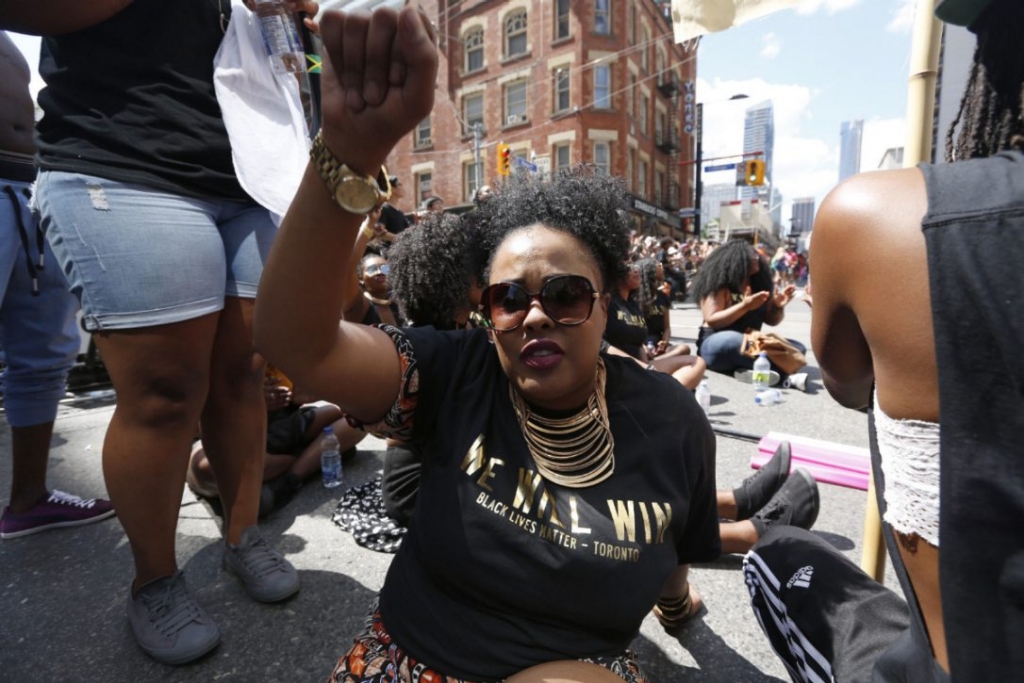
x,y
974,232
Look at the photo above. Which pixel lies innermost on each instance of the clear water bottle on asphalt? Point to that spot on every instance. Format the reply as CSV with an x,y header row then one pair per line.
x,y
280,37
768,397
762,376
703,394
330,459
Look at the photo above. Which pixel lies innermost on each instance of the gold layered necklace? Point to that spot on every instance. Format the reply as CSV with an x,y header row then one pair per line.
x,y
575,451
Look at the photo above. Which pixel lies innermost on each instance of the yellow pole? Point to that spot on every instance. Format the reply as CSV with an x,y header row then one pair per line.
x,y
924,67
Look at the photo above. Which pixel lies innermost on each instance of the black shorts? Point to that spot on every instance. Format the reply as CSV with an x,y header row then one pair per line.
x,y
286,429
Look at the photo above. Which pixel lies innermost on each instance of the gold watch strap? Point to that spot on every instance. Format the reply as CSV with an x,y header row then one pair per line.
x,y
332,170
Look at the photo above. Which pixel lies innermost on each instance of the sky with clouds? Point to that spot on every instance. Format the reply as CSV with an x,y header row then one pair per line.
x,y
827,62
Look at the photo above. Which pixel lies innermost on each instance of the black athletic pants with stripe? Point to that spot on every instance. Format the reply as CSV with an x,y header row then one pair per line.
x,y
828,620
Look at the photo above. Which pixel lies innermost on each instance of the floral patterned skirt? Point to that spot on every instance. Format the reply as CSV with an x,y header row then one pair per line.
x,y
376,659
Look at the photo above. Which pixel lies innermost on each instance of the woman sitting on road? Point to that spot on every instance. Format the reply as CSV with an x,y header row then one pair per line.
x,y
535,445
626,333
734,290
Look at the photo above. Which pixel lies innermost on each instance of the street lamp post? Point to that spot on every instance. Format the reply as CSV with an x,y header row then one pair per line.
x,y
698,154
698,183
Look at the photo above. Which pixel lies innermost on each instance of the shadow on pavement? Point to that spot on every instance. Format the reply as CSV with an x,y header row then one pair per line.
x,y
716,661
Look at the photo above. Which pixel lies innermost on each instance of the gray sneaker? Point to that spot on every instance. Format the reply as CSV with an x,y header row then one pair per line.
x,y
167,622
264,572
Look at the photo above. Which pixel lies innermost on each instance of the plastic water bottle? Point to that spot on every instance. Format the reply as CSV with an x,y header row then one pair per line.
x,y
767,397
330,459
704,396
762,376
280,37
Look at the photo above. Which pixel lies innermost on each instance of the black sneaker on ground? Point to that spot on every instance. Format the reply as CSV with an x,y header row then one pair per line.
x,y
795,504
757,489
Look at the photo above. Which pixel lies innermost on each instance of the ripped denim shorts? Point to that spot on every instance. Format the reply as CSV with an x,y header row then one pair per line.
x,y
136,256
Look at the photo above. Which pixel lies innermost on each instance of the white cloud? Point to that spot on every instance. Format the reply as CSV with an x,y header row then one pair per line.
x,y
770,46
880,135
802,166
903,18
830,6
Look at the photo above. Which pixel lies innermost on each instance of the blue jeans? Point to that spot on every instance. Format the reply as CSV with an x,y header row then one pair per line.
x,y
38,335
722,352
136,256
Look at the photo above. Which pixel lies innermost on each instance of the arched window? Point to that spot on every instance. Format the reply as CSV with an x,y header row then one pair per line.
x,y
515,34
474,46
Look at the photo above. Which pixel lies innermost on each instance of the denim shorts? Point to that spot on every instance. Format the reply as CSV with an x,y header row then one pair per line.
x,y
136,256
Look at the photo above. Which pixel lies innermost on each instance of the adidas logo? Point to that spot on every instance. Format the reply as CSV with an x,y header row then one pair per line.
x,y
802,578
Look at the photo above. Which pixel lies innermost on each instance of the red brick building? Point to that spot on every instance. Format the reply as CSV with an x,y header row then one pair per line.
x,y
561,82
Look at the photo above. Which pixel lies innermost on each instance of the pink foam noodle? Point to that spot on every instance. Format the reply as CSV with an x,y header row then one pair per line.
x,y
828,462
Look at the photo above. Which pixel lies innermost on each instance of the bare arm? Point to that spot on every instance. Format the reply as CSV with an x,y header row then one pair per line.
x,y
837,338
355,304
378,84
719,312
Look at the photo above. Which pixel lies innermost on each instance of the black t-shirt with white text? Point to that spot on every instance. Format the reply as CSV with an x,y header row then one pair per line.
x,y
626,328
502,569
655,314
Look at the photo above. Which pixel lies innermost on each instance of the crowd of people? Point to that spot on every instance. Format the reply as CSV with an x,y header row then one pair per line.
x,y
518,358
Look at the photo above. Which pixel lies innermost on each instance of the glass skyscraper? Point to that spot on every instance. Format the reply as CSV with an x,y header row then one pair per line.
x,y
851,133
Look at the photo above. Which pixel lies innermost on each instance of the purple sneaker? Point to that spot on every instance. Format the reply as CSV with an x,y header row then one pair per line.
x,y
55,509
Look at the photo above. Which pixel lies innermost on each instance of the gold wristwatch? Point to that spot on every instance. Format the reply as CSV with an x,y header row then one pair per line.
x,y
354,192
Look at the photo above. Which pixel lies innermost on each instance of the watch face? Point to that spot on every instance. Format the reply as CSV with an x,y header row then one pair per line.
x,y
355,195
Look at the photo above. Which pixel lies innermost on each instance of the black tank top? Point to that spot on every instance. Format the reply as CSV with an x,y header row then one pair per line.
x,y
974,232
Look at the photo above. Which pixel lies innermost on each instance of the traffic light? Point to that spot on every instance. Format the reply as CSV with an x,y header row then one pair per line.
x,y
754,171
504,159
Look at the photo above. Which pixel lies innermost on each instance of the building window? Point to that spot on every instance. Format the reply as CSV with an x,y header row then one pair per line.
x,y
515,103
603,17
641,180
659,187
424,186
631,23
641,116
561,90
561,157
659,128
561,19
472,111
423,137
474,43
603,86
515,34
471,180
603,158
645,47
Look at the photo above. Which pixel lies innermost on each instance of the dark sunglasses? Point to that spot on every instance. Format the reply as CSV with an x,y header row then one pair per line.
x,y
378,269
566,299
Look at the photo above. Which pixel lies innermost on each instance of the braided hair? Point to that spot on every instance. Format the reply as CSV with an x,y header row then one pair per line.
x,y
991,108
729,266
648,292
